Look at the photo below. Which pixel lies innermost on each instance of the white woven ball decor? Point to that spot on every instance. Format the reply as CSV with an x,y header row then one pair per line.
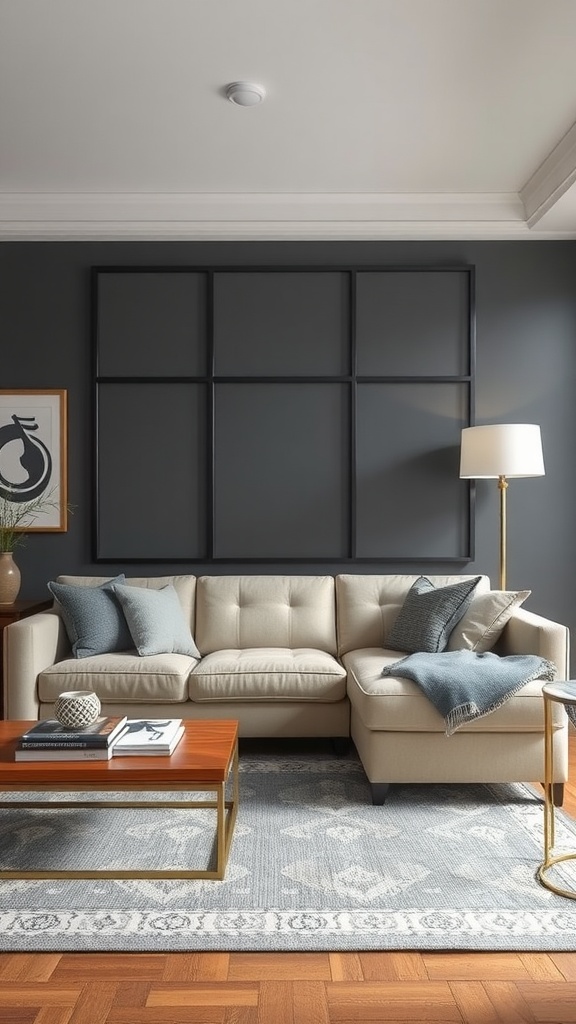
x,y
76,709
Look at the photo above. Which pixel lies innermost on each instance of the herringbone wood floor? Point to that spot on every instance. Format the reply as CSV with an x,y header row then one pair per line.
x,y
289,988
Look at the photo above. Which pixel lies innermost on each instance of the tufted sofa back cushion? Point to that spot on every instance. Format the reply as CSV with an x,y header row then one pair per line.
x,y
185,587
238,612
367,606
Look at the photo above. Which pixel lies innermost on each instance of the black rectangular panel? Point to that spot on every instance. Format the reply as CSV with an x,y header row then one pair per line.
x,y
281,471
275,454
412,323
410,500
151,471
281,324
151,324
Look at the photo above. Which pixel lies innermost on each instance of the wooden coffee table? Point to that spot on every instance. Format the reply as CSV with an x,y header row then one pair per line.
x,y
202,762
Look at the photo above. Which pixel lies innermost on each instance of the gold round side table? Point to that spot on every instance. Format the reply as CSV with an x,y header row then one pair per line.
x,y
561,693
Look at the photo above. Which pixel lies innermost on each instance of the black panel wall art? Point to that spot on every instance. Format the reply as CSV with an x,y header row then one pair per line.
x,y
282,414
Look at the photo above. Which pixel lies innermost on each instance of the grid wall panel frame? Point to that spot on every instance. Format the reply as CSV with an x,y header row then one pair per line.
x,y
239,330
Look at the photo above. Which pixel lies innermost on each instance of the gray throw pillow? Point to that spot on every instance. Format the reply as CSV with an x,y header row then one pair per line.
x,y
93,618
156,621
429,614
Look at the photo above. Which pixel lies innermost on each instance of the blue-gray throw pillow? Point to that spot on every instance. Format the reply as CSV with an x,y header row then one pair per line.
x,y
156,621
93,617
429,614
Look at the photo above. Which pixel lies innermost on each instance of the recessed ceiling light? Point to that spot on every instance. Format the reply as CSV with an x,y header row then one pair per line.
x,y
245,94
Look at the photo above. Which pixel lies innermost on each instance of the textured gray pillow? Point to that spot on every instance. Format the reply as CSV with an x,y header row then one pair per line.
x,y
93,618
156,621
429,615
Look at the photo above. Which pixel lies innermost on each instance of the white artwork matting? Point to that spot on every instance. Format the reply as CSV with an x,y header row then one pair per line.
x,y
33,454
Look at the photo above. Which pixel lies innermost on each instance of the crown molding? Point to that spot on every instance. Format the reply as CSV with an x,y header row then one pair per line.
x,y
263,216
553,178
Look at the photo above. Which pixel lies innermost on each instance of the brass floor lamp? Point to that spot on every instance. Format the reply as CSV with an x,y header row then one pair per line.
x,y
501,451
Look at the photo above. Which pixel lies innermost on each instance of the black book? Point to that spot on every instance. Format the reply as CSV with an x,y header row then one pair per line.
x,y
55,753
51,735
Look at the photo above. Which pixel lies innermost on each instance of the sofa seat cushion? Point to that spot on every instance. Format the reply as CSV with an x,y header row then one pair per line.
x,y
395,704
158,678
262,673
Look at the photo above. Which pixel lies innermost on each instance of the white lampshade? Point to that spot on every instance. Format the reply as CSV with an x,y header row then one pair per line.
x,y
501,449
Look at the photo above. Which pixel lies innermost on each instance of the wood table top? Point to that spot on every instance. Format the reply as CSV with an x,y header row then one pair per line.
x,y
204,754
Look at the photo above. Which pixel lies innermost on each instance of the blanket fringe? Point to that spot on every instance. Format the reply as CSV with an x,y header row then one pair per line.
x,y
462,714
470,712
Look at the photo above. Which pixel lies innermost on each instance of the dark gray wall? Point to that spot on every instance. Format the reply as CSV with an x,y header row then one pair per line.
x,y
526,372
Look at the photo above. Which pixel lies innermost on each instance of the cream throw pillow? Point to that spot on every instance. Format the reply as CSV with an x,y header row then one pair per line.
x,y
484,620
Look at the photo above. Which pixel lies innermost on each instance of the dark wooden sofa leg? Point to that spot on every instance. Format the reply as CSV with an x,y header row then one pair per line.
x,y
340,745
557,793
379,792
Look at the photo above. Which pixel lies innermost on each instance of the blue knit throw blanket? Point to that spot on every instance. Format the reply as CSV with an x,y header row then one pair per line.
x,y
463,685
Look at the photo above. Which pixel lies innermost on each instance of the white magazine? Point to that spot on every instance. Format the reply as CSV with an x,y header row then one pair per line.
x,y
149,736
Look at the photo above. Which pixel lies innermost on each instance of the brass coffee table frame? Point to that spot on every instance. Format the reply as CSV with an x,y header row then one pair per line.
x,y
552,692
226,811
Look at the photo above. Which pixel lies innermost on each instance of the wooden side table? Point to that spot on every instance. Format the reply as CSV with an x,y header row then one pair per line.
x,y
12,613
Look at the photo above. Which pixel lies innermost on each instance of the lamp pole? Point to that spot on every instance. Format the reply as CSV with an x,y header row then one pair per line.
x,y
503,486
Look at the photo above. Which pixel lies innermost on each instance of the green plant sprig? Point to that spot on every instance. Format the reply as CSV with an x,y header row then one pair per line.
x,y
16,516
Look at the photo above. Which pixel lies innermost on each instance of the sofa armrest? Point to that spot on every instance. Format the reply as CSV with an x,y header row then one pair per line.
x,y
528,633
30,646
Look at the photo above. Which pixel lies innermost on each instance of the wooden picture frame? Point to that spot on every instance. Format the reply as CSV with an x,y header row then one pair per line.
x,y
33,454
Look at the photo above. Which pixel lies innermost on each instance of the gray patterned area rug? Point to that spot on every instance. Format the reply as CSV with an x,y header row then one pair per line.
x,y
313,866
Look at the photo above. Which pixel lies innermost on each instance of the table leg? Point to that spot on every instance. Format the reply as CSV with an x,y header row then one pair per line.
x,y
549,828
225,819
221,830
550,811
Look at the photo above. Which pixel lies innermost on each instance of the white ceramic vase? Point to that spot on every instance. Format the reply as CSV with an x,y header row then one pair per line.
x,y
75,709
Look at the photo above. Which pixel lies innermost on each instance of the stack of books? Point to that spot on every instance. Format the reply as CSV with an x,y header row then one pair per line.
x,y
49,741
149,736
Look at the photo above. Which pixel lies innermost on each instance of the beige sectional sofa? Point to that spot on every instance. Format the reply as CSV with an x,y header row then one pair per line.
x,y
301,656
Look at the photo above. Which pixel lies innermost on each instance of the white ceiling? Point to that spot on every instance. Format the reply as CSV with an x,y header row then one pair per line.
x,y
383,119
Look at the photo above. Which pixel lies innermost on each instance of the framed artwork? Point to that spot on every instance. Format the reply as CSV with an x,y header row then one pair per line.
x,y
33,455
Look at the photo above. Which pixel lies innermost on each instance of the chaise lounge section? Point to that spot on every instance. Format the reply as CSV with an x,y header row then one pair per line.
x,y
398,733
